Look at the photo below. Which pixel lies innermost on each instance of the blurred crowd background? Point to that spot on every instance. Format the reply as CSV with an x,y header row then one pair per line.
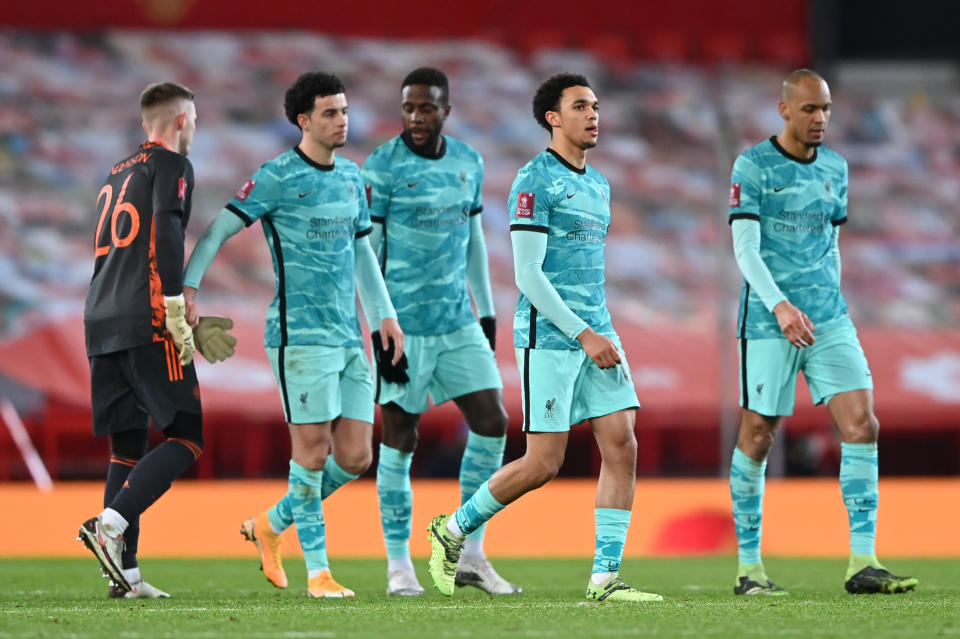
x,y
676,109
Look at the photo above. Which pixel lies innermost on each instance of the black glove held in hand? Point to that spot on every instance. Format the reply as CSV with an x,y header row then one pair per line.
x,y
489,326
393,373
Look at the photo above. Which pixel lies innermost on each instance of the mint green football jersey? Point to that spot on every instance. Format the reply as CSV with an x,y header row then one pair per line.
x,y
799,204
425,204
311,215
572,207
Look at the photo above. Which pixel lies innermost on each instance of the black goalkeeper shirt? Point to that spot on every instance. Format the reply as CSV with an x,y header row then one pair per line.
x,y
142,214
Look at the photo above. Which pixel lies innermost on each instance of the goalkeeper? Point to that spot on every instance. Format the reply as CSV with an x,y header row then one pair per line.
x,y
138,342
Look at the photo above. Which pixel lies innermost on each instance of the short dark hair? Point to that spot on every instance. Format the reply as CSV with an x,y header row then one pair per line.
x,y
430,77
300,98
548,95
163,92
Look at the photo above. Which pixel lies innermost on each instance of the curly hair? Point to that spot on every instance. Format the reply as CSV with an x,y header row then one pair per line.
x,y
548,95
300,98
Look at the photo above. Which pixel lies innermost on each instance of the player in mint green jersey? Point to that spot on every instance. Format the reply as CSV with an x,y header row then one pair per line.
x,y
425,198
314,215
571,363
787,201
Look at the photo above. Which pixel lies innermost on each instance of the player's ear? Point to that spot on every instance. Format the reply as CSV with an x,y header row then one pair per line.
x,y
303,119
784,110
181,120
552,118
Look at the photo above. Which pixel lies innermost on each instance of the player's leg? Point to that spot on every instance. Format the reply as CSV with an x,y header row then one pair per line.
x,y
768,374
400,409
608,399
399,440
483,455
618,451
310,446
747,481
547,381
170,395
126,449
838,375
539,464
853,413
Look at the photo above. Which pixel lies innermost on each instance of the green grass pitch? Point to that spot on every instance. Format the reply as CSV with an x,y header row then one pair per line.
x,y
230,598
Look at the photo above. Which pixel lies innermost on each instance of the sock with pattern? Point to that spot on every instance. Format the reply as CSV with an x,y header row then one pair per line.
x,y
747,478
481,458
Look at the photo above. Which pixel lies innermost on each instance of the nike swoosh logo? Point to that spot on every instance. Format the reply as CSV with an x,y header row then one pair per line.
x,y
303,195
410,185
778,189
570,195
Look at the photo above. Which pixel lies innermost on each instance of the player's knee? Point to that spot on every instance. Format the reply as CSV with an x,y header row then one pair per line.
x,y
356,462
130,444
403,439
492,424
187,429
314,458
863,429
540,470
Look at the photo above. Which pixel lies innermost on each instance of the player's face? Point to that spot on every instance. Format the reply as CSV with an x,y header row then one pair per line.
x,y
579,117
807,111
423,113
189,126
327,123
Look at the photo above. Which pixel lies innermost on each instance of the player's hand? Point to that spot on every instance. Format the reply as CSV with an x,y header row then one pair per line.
x,y
489,326
180,331
795,324
390,367
213,340
600,349
190,297
390,330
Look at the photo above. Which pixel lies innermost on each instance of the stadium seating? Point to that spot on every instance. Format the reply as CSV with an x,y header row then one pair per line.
x,y
669,135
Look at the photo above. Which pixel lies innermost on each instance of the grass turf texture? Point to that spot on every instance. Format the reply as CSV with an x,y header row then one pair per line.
x,y
230,598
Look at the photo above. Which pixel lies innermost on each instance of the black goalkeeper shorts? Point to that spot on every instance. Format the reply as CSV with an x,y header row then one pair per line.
x,y
130,386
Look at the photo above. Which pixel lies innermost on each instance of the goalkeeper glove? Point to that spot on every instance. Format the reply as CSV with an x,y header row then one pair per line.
x,y
213,340
489,326
394,373
180,331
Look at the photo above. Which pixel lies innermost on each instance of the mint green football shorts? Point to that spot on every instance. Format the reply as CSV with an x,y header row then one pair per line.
x,y
834,364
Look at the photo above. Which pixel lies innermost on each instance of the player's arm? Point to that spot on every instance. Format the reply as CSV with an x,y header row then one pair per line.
x,y
794,323
376,186
746,196
529,250
478,277
172,184
388,340
224,226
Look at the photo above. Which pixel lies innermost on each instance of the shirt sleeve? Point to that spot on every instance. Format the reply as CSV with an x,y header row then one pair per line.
x,y
478,269
259,196
377,186
530,204
172,184
477,204
224,226
840,215
746,250
370,286
529,249
363,215
746,190
168,226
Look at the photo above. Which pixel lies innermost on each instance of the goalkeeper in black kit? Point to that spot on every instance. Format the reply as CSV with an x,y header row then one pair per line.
x,y
138,340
